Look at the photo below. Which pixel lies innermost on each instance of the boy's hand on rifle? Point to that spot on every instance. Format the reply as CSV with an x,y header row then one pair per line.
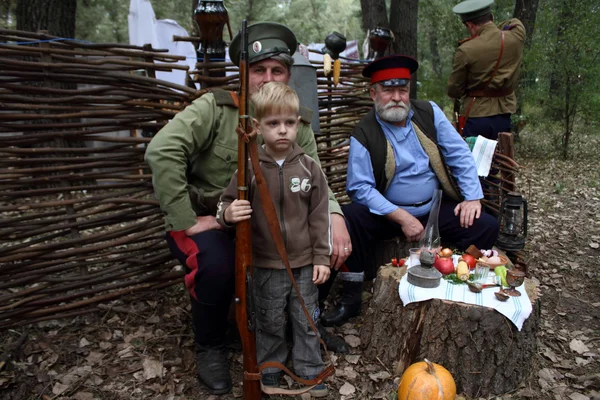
x,y
238,211
320,274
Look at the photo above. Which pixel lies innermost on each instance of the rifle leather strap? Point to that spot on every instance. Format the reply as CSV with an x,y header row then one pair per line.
x,y
488,81
251,376
236,99
275,229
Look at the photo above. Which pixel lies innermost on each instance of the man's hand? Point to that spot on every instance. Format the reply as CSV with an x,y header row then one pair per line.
x,y
411,227
205,223
239,210
320,274
342,245
469,210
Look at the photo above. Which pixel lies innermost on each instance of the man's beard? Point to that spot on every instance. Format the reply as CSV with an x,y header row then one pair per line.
x,y
395,114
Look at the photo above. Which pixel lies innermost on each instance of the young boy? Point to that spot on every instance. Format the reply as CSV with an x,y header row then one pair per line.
x,y
298,189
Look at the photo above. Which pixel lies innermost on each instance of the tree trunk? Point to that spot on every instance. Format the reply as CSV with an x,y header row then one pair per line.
x,y
485,353
526,11
55,16
374,14
403,22
557,76
5,7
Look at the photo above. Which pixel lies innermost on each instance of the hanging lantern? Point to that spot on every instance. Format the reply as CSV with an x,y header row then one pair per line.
x,y
513,222
211,17
379,41
335,43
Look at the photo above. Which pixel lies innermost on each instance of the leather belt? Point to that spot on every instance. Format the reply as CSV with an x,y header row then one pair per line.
x,y
420,204
490,92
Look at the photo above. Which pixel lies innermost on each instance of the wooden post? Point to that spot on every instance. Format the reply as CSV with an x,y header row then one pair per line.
x,y
506,147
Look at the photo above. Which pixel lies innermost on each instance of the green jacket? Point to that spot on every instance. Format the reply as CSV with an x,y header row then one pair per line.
x,y
474,63
195,155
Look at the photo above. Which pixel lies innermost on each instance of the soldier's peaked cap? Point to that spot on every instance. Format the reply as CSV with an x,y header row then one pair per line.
x,y
471,9
265,40
391,70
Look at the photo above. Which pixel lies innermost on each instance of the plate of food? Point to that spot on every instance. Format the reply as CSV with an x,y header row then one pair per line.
x,y
494,260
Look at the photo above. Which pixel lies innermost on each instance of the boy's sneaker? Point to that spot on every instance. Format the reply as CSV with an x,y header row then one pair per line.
x,y
271,380
318,391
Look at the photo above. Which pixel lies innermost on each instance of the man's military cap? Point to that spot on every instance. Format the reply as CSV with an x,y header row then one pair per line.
x,y
265,40
471,9
391,70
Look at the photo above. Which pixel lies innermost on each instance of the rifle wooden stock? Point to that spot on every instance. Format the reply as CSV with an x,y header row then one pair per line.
x,y
243,244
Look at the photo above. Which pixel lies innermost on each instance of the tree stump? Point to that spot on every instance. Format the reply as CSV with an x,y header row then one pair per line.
x,y
483,350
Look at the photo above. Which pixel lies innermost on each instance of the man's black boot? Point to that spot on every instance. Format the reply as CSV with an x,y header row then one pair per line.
x,y
212,366
333,343
212,363
347,307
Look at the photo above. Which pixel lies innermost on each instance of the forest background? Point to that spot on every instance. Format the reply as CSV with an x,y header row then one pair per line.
x,y
558,94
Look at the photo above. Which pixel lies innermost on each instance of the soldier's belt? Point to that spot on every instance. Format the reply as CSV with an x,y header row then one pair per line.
x,y
490,92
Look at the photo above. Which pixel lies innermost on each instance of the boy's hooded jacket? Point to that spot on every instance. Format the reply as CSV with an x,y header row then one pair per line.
x,y
299,192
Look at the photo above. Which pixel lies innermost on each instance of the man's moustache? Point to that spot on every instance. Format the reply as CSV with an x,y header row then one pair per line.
x,y
393,104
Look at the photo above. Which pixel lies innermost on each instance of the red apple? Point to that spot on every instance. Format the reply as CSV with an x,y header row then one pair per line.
x,y
470,260
444,265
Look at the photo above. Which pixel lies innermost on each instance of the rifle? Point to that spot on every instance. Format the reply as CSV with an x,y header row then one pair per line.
x,y
243,245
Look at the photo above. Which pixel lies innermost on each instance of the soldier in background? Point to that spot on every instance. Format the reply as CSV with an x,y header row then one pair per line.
x,y
486,70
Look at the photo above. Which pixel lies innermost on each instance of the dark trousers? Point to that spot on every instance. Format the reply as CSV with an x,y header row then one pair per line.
x,y
209,261
365,228
488,127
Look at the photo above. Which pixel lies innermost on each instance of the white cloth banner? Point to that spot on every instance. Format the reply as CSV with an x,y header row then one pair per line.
x,y
483,152
516,309
145,29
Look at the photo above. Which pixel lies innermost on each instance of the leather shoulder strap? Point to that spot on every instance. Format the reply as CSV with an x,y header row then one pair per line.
x,y
465,40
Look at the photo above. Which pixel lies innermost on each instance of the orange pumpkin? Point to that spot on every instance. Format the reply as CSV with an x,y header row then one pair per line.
x,y
426,381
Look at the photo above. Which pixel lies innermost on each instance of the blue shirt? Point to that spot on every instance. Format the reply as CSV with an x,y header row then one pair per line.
x,y
414,181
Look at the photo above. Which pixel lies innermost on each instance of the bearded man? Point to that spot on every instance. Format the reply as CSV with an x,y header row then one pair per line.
x,y
400,153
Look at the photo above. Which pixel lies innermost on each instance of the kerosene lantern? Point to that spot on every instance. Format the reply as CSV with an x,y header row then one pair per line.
x,y
513,222
379,41
211,17
424,274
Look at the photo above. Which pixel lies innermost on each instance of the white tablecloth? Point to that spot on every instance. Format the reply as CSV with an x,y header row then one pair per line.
x,y
516,309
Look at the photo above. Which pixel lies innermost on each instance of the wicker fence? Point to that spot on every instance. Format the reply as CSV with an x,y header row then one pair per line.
x,y
78,221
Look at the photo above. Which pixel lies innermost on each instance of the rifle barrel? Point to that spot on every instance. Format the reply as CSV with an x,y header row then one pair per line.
x,y
243,243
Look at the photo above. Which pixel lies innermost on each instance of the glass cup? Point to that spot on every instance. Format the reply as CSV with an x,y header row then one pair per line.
x,y
413,258
480,274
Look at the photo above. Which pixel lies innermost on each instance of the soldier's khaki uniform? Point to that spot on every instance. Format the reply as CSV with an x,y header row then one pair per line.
x,y
474,63
194,157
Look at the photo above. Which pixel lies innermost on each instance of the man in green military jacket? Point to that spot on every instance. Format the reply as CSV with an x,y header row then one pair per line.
x,y
486,69
193,159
